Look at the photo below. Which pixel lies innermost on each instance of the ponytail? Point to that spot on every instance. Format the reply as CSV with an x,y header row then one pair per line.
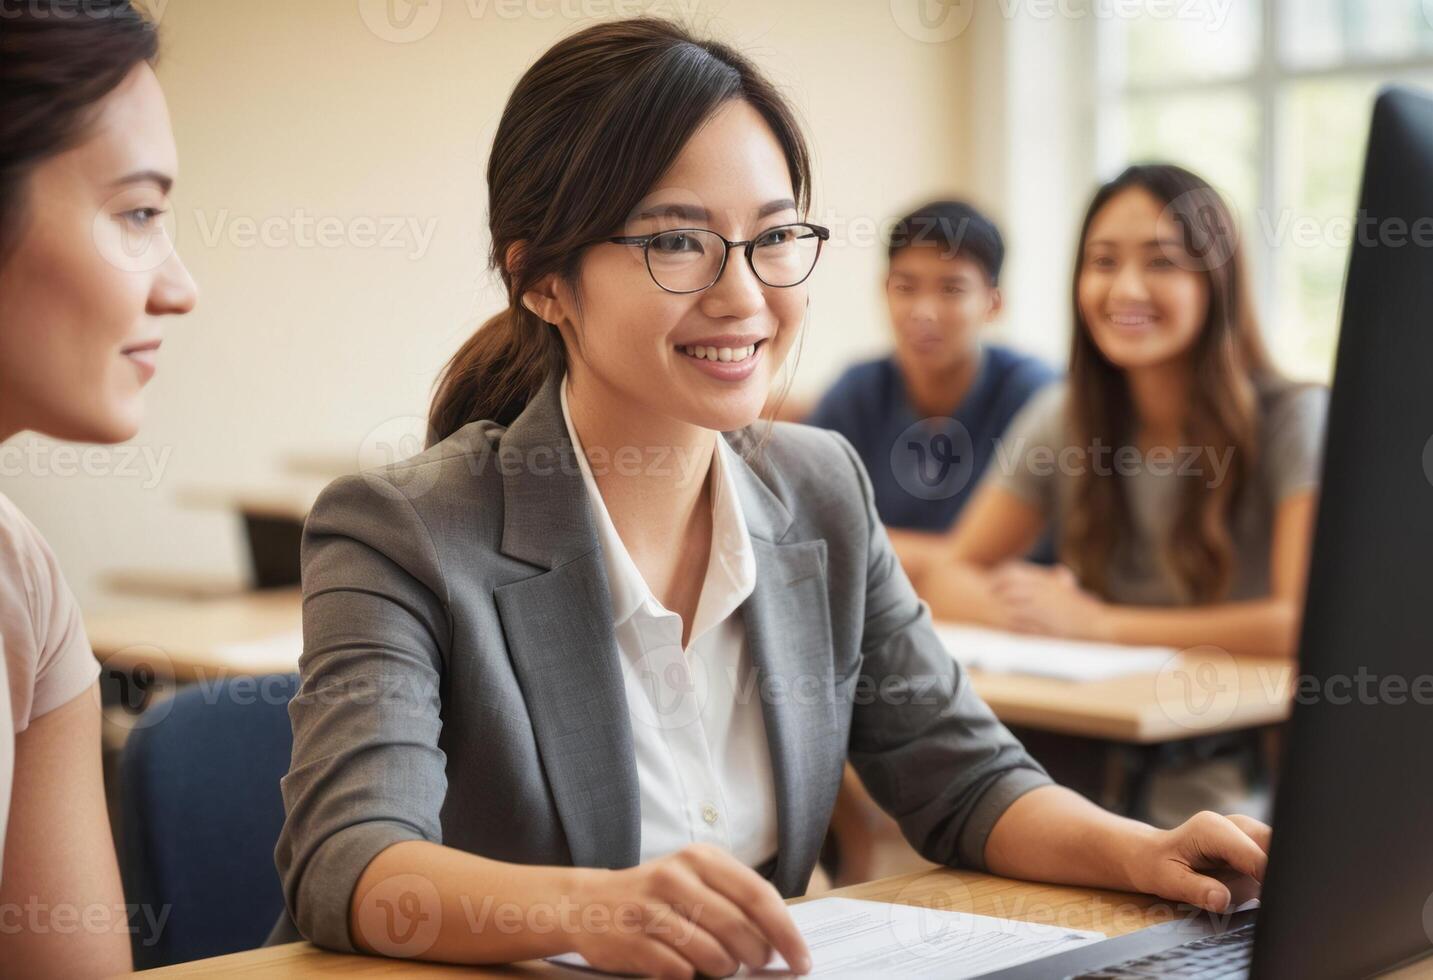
x,y
496,372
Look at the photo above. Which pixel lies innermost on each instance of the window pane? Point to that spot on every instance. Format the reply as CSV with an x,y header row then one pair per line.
x,y
1322,136
1183,42
1321,33
1215,134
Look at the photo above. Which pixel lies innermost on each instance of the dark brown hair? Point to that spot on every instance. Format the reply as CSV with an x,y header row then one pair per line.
x,y
588,130
1229,361
58,59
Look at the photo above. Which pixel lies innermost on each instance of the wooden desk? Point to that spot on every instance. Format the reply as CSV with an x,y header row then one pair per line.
x,y
1199,693
1113,913
188,638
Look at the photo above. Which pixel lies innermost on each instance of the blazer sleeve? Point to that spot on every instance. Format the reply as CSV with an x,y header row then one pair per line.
x,y
367,770
925,745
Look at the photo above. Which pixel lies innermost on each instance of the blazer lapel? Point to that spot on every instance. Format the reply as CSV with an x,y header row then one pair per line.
x,y
788,630
560,636
559,630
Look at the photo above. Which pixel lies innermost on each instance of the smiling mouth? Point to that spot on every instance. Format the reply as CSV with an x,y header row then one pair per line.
x,y
1132,320
729,355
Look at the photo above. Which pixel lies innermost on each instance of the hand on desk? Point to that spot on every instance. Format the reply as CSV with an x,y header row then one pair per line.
x,y
1038,599
699,910
1198,861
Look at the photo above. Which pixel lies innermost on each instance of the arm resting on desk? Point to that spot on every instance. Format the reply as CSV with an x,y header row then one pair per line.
x,y
980,581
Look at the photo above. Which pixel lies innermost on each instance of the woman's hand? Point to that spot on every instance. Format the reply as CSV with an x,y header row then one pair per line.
x,y
1037,599
699,910
1182,864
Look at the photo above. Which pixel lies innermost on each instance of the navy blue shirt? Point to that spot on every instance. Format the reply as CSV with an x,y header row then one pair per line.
x,y
924,470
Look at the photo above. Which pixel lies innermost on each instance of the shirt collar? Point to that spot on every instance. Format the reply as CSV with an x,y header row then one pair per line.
x,y
731,565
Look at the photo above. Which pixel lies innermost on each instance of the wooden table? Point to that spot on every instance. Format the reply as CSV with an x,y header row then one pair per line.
x,y
1113,913
186,641
1200,692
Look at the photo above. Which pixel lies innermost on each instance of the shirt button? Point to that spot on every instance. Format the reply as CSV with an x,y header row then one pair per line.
x,y
709,813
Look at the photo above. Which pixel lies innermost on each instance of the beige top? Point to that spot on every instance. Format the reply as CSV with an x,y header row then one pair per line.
x,y
42,640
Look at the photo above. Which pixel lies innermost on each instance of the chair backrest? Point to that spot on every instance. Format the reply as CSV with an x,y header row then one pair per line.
x,y
200,815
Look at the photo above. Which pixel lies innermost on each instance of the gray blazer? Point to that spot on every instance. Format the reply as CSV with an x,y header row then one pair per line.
x,y
461,682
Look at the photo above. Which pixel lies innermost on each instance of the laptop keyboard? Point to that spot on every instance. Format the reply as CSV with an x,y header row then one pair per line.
x,y
1213,958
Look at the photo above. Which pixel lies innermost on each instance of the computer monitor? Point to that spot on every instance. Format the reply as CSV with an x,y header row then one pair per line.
x,y
1350,882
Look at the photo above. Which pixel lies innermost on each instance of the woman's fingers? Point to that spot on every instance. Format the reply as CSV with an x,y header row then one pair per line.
x,y
723,919
757,898
654,958
695,944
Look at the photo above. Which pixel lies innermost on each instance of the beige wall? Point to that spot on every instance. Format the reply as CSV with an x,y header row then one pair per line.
x,y
291,112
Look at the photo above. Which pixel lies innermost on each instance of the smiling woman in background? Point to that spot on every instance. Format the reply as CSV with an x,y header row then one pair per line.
x,y
86,160
529,651
1177,466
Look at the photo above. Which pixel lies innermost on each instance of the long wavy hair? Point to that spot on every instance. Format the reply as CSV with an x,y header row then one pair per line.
x,y
1229,363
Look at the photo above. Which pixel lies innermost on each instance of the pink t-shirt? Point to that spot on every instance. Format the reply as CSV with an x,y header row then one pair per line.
x,y
48,661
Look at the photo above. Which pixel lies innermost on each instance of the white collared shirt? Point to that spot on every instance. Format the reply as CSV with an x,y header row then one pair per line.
x,y
703,763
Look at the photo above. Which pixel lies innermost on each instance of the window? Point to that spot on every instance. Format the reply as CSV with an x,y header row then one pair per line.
x,y
1269,100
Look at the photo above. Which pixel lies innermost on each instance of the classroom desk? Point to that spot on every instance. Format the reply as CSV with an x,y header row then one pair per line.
x,y
1113,913
185,641
1201,692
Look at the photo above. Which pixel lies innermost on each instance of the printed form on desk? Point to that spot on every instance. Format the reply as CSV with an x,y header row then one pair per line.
x,y
849,937
1047,656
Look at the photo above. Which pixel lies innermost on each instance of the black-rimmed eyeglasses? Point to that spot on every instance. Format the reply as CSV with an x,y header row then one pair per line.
x,y
688,260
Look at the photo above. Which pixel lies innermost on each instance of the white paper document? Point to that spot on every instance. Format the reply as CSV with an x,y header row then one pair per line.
x,y
852,938
1044,656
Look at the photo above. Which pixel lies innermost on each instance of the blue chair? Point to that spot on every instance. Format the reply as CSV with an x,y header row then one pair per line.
x,y
200,814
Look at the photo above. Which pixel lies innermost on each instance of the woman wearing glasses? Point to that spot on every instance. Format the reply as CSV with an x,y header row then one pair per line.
x,y
583,675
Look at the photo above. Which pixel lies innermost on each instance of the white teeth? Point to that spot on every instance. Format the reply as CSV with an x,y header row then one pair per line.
x,y
719,353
